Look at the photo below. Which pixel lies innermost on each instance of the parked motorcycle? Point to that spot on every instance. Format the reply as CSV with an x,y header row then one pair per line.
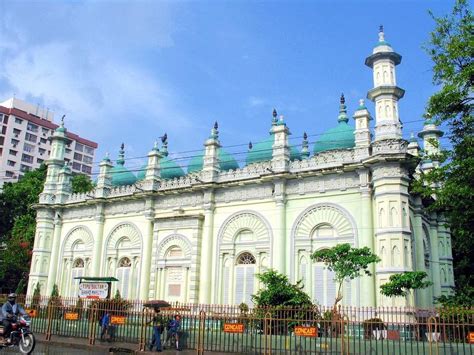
x,y
20,336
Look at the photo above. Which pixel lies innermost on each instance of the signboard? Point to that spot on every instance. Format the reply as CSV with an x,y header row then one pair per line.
x,y
470,337
95,290
233,328
306,331
71,316
31,312
117,320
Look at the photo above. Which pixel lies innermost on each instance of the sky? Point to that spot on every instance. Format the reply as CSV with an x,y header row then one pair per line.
x,y
129,71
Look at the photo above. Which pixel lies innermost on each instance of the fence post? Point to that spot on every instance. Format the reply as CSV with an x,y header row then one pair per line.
x,y
49,320
142,342
201,328
432,320
92,318
267,331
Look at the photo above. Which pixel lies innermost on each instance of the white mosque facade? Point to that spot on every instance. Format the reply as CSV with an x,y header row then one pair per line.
x,y
204,235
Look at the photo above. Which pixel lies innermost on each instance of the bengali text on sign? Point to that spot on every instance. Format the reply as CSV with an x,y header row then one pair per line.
x,y
71,316
306,331
233,328
117,320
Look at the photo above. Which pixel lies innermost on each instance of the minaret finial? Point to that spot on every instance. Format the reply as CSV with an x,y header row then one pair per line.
x,y
274,115
164,144
121,156
381,34
304,147
343,110
62,120
250,145
214,131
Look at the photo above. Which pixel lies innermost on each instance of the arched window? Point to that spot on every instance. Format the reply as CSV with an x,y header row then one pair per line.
x,y
77,271
244,278
174,274
381,218
395,256
123,276
383,256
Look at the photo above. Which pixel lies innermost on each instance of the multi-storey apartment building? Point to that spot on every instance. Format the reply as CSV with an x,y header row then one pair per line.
x,y
25,130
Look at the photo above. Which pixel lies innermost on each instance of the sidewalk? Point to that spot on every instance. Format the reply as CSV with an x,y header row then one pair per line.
x,y
105,347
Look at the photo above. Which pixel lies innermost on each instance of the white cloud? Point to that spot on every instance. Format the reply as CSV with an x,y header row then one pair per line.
x,y
254,101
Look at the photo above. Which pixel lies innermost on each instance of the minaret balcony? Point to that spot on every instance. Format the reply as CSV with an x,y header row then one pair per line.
x,y
385,90
393,56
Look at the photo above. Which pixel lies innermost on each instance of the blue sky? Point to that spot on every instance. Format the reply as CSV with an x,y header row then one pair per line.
x,y
131,70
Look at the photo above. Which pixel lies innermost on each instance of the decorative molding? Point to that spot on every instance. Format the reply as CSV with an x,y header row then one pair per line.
x,y
79,212
171,240
184,200
244,193
323,183
324,160
120,231
177,222
244,220
124,207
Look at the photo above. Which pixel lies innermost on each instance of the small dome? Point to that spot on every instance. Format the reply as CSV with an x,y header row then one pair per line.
x,y
339,137
263,151
226,162
168,170
120,175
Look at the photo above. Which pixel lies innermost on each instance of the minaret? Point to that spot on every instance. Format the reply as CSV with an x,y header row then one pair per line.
x,y
54,163
104,179
153,174
305,147
281,147
385,93
362,134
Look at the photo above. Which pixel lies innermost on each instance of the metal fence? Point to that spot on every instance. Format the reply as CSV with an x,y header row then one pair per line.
x,y
316,330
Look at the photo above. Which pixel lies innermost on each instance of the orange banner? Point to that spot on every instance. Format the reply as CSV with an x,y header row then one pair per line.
x,y
306,331
118,320
470,337
31,312
71,316
233,328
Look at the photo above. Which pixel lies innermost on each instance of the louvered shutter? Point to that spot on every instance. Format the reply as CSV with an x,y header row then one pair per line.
x,y
126,279
249,280
120,280
331,288
226,285
302,275
318,284
239,284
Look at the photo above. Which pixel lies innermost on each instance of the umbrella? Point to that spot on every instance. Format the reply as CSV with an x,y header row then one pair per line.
x,y
156,304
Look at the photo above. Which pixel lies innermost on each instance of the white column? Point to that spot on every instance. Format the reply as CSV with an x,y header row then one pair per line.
x,y
279,232
54,262
97,256
206,278
435,269
146,261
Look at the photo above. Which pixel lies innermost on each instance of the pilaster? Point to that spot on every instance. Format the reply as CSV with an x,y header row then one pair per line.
x,y
147,250
54,263
97,255
207,274
280,262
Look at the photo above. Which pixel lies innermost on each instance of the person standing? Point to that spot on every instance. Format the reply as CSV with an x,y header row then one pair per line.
x,y
158,327
104,324
174,328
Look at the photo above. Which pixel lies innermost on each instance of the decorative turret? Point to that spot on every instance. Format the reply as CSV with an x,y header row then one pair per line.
x,y
413,147
305,147
281,147
64,186
121,175
153,174
362,130
385,93
430,135
211,166
54,163
104,179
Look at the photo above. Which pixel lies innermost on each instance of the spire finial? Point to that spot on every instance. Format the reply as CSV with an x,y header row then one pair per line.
x,y
274,117
381,34
361,103
250,145
121,156
62,120
275,113
305,136
304,147
343,110
164,145
155,146
214,131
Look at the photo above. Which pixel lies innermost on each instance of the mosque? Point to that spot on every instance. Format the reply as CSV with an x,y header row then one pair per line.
x,y
202,235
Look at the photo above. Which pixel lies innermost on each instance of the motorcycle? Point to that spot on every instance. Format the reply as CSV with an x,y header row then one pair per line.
x,y
20,335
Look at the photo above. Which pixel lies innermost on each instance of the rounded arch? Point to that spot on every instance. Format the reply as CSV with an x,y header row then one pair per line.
x,y
78,234
121,231
324,214
174,240
242,221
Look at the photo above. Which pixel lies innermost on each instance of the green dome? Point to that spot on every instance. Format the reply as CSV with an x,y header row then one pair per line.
x,y
263,151
340,137
168,170
121,176
226,162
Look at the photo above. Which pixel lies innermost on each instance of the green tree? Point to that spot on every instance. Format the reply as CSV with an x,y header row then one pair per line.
x,y
451,48
81,183
347,263
277,291
18,223
399,285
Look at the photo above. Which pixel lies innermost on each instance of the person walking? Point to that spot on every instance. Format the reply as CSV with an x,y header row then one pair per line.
x,y
104,325
158,328
174,328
